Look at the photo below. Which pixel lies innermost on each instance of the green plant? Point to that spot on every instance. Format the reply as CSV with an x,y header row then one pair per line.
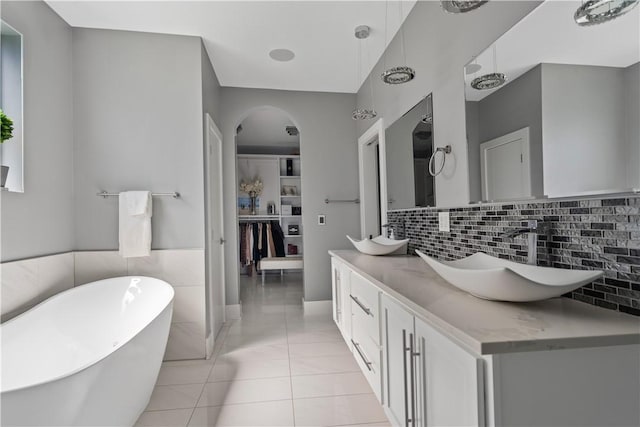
x,y
6,127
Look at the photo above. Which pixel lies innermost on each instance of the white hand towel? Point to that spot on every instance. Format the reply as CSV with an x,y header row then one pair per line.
x,y
135,210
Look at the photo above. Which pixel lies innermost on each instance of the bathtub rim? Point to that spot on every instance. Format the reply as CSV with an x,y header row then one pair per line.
x,y
94,361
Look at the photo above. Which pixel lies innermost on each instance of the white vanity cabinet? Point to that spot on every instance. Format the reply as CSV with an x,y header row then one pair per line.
x,y
430,381
341,302
436,356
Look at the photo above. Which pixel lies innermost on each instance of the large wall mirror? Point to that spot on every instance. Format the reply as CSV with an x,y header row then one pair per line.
x,y
566,122
11,105
409,147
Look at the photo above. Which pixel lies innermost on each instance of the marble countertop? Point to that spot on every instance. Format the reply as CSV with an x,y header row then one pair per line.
x,y
491,327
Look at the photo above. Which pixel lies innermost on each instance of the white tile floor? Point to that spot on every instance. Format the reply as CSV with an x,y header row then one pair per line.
x,y
275,367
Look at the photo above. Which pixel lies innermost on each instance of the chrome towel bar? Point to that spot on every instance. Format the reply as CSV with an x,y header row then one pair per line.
x,y
104,194
356,201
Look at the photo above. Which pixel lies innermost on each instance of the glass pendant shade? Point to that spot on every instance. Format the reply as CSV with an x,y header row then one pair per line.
x,y
461,6
488,81
363,114
594,12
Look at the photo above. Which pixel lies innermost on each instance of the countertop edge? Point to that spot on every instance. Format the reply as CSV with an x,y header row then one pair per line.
x,y
491,348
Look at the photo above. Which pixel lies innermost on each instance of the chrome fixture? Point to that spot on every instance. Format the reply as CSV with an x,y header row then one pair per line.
x,y
453,6
400,74
491,80
105,194
327,201
531,231
594,12
445,150
363,114
473,67
291,130
362,33
488,81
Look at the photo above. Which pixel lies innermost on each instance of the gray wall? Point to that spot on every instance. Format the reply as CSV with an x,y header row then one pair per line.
x,y
329,163
632,126
515,106
210,87
138,101
584,137
40,220
438,45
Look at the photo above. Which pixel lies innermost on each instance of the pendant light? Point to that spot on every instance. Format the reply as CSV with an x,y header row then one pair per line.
x,y
400,74
594,12
362,33
453,6
491,80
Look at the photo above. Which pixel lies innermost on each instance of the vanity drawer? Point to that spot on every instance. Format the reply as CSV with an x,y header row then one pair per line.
x,y
364,296
364,312
367,355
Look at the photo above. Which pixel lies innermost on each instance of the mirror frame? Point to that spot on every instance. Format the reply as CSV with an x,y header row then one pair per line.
x,y
21,189
376,131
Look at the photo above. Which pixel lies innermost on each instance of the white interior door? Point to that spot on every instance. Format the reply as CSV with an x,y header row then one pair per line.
x,y
505,167
373,180
214,247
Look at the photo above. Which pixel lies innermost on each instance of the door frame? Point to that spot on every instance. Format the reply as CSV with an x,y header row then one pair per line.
x,y
376,131
212,129
522,134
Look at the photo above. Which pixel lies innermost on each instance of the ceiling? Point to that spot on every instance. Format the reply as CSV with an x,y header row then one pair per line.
x,y
266,127
239,35
550,35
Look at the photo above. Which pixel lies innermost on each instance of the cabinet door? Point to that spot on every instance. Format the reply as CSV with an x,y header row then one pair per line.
x,y
450,381
397,332
345,302
337,293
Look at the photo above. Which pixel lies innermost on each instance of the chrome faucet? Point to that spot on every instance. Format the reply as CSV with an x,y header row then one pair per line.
x,y
393,228
390,228
531,231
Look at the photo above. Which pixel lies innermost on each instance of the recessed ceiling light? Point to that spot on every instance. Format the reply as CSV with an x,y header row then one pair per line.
x,y
282,55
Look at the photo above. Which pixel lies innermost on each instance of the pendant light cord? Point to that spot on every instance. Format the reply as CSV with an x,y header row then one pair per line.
x,y
384,48
373,100
404,54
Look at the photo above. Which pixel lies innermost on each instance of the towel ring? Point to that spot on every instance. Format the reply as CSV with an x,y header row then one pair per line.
x,y
445,150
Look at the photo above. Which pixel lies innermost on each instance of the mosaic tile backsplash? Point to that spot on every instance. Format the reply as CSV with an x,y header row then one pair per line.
x,y
602,234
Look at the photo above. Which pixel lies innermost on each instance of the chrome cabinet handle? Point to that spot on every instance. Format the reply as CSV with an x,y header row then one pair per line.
x,y
412,355
362,306
407,420
364,359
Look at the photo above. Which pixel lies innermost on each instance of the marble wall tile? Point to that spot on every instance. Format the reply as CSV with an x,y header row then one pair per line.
x,y
97,265
26,283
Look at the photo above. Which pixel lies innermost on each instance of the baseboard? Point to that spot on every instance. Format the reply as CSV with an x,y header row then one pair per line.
x,y
315,308
233,311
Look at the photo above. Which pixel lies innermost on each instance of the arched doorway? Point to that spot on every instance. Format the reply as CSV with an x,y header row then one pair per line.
x,y
269,206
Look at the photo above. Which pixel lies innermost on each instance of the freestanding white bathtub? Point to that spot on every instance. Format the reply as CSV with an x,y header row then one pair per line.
x,y
88,356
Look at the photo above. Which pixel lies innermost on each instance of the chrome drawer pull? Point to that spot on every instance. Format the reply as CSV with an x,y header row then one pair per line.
x,y
362,306
364,359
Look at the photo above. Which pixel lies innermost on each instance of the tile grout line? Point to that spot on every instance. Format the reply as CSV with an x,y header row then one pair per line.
x,y
214,358
286,328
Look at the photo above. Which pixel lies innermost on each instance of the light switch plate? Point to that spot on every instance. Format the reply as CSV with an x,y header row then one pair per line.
x,y
322,220
443,221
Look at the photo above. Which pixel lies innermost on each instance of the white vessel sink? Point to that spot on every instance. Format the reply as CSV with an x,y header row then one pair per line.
x,y
380,245
497,279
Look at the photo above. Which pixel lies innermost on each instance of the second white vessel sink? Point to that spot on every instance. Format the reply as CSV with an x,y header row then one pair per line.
x,y
380,245
497,279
